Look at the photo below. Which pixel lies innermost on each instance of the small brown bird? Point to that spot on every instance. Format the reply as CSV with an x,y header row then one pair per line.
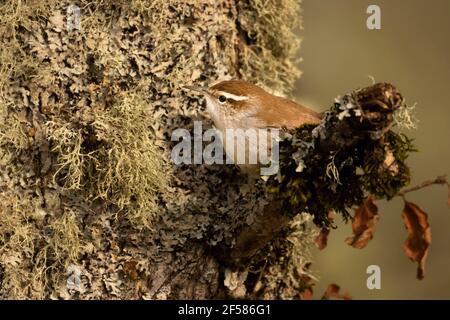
x,y
240,104
237,104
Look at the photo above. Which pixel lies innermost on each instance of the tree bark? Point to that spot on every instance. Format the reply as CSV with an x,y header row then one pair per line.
x,y
91,206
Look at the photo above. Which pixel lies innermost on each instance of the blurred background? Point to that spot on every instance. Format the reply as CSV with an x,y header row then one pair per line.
x,y
412,51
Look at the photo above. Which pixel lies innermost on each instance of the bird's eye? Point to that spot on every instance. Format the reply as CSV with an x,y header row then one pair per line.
x,y
222,99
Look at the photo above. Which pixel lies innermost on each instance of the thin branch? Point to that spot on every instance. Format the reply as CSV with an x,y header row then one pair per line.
x,y
439,180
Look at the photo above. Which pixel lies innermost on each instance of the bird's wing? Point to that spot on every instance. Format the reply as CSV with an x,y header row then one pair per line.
x,y
285,113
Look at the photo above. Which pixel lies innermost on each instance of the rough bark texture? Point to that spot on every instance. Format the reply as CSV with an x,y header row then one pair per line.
x,y
91,205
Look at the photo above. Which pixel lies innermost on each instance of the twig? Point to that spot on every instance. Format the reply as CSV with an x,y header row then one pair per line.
x,y
439,180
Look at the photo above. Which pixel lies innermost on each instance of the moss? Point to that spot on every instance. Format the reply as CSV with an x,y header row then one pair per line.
x,y
405,117
319,180
379,180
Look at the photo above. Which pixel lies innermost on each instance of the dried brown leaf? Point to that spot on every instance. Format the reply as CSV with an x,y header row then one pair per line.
x,y
333,292
448,200
364,222
419,236
322,238
306,294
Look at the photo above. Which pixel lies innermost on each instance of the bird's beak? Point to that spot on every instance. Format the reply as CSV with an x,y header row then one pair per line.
x,y
197,89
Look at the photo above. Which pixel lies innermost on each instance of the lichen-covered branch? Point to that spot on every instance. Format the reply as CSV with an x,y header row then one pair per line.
x,y
333,166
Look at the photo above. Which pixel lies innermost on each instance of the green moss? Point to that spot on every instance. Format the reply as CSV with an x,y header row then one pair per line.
x,y
319,180
379,179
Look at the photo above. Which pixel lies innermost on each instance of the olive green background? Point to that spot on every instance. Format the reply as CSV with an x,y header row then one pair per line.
x,y
412,51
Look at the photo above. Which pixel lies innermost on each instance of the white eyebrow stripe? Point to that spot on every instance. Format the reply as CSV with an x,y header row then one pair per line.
x,y
232,96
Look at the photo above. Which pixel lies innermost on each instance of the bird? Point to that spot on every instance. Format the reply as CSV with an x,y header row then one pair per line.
x,y
239,104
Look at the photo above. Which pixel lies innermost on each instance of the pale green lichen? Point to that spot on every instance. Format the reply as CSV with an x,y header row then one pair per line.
x,y
110,157
270,30
405,117
87,116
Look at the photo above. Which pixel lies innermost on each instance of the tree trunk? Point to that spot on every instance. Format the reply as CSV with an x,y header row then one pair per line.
x,y
91,204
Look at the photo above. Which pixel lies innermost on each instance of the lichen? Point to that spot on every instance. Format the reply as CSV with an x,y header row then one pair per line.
x,y
290,249
270,31
340,178
12,134
107,155
84,144
405,117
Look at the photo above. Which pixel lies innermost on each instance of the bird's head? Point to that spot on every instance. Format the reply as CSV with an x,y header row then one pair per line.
x,y
231,96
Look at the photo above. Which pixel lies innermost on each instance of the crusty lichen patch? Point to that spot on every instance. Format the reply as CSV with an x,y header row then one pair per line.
x,y
269,28
34,253
290,250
